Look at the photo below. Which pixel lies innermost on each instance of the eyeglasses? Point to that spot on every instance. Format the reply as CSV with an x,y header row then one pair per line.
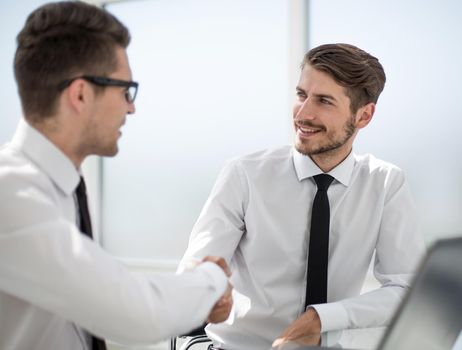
x,y
131,86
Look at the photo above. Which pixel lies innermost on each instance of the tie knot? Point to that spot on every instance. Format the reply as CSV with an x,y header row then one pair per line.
x,y
323,181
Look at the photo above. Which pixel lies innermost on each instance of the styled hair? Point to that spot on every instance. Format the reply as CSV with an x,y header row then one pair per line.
x,y
360,73
59,41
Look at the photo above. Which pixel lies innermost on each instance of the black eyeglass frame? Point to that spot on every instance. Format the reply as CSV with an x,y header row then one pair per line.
x,y
103,81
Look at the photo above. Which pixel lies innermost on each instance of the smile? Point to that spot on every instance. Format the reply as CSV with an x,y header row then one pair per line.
x,y
308,130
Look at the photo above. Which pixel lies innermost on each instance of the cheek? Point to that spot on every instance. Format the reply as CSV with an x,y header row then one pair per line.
x,y
296,109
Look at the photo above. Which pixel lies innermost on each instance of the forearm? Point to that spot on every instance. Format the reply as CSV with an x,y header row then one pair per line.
x,y
372,309
54,267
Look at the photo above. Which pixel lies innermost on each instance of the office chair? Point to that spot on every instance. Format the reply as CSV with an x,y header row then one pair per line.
x,y
196,336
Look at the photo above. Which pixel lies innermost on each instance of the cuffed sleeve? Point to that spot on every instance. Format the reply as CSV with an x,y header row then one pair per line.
x,y
333,316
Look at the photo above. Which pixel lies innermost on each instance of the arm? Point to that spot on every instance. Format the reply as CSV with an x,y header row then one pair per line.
x,y
45,261
218,231
72,277
399,248
220,225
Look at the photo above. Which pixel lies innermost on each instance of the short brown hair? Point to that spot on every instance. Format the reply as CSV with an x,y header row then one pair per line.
x,y
59,41
360,73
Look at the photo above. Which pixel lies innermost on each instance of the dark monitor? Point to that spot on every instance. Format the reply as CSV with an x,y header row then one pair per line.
x,y
430,316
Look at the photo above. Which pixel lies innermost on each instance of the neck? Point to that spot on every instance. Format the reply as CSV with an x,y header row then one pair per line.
x,y
64,138
327,161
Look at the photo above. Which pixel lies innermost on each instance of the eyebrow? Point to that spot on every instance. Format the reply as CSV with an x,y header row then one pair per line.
x,y
326,96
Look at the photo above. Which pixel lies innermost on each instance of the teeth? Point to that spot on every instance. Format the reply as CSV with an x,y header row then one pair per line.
x,y
307,130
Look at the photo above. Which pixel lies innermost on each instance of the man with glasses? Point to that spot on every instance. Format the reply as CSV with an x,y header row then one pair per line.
x,y
58,289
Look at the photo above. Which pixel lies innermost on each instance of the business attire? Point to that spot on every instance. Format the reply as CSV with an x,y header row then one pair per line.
x,y
258,217
57,285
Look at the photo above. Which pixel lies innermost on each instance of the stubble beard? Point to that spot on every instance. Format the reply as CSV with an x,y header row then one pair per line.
x,y
100,145
332,143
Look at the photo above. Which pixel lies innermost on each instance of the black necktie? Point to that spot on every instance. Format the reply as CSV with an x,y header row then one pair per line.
x,y
316,284
85,228
85,221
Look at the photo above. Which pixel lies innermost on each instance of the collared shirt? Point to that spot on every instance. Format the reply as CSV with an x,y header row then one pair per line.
x,y
258,217
53,278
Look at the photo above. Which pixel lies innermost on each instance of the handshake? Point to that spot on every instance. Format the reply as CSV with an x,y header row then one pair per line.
x,y
222,307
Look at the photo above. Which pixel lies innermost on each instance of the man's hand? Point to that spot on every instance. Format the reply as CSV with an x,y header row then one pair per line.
x,y
220,262
223,306
307,325
308,340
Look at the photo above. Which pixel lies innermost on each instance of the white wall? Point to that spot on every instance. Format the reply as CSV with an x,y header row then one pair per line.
x,y
214,79
12,17
419,115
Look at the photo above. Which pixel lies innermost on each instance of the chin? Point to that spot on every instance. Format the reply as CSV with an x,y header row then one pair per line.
x,y
301,149
113,152
109,151
309,151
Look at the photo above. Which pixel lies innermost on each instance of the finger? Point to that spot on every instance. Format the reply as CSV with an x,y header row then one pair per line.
x,y
218,317
223,302
220,262
223,305
228,295
278,342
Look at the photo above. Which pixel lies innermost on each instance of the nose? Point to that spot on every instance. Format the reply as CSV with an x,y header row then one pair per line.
x,y
304,109
131,108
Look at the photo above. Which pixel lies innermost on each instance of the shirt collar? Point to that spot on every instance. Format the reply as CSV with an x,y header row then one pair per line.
x,y
46,156
305,168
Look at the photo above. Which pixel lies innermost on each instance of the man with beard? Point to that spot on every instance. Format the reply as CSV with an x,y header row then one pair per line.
x,y
259,216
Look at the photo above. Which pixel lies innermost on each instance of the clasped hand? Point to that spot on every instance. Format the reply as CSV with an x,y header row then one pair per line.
x,y
222,308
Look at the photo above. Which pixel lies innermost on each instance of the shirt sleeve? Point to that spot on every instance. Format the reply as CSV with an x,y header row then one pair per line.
x,y
399,250
220,225
46,261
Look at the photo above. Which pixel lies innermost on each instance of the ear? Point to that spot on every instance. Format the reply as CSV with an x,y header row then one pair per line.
x,y
79,94
364,115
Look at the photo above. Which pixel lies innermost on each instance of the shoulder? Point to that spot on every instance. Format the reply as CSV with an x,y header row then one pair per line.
x,y
379,172
27,193
263,167
266,157
17,170
373,165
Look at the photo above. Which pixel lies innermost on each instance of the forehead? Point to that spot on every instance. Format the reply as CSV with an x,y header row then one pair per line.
x,y
123,70
316,81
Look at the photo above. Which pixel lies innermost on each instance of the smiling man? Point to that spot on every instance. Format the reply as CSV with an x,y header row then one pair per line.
x,y
58,288
261,216
325,124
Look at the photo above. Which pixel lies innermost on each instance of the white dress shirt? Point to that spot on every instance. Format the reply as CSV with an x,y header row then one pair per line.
x,y
258,217
53,278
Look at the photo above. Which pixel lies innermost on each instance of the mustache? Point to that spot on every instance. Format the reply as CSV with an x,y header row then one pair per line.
x,y
307,123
